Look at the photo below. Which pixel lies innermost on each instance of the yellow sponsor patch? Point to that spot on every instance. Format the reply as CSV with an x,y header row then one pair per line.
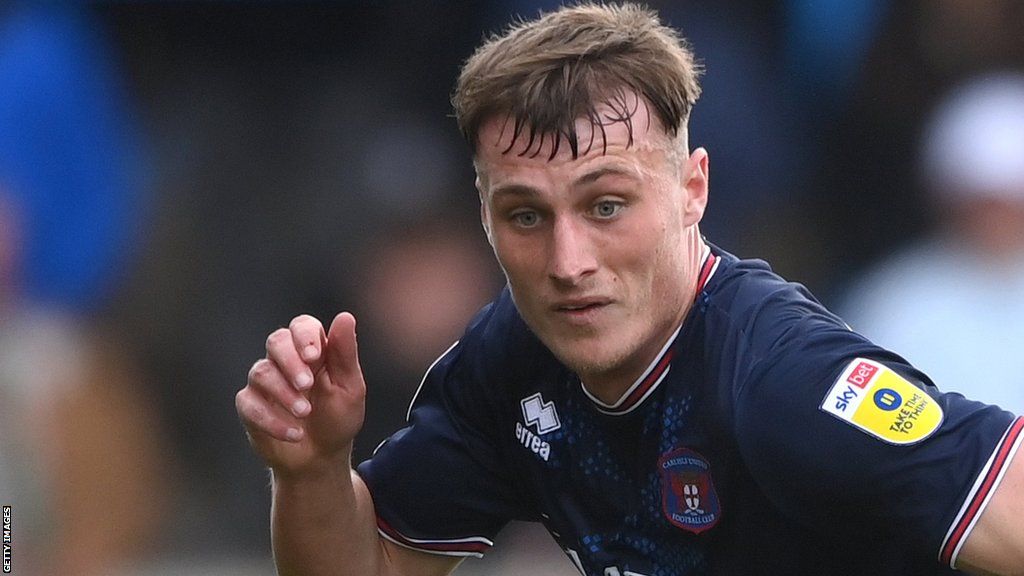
x,y
882,403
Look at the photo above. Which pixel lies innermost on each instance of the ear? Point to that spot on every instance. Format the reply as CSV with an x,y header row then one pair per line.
x,y
485,213
695,181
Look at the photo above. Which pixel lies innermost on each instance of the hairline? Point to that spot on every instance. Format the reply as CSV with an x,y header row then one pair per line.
x,y
675,146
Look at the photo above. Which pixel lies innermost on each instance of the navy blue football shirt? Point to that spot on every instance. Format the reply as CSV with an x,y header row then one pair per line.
x,y
766,438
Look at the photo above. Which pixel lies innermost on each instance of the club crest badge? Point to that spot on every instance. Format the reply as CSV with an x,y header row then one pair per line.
x,y
688,496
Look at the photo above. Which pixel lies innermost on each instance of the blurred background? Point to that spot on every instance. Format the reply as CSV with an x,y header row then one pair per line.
x,y
178,179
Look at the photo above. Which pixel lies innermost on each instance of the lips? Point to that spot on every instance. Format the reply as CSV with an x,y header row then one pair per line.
x,y
581,312
580,304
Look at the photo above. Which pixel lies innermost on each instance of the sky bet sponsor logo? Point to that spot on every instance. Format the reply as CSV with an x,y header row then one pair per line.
x,y
856,380
862,374
880,402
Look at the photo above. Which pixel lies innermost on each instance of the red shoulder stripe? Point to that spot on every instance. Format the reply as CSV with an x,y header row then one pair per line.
x,y
472,546
982,491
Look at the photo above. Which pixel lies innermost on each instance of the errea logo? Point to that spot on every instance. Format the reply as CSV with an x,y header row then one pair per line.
x,y
540,413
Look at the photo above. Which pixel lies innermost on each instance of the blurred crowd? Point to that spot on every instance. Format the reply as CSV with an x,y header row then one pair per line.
x,y
178,179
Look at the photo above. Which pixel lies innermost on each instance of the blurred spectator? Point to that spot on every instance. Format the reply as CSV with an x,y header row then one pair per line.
x,y
69,156
81,455
953,304
825,46
417,288
866,198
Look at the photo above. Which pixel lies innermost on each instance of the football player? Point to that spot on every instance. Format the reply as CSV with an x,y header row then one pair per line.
x,y
660,405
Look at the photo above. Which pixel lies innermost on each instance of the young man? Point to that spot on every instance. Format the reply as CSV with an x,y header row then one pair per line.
x,y
661,406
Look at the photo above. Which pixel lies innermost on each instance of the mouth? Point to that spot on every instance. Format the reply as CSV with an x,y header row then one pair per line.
x,y
580,310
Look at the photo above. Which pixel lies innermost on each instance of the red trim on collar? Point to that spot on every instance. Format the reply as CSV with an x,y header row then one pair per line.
x,y
705,271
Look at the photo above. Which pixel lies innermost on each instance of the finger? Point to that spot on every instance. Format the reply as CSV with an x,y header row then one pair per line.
x,y
309,337
342,352
281,351
261,416
267,379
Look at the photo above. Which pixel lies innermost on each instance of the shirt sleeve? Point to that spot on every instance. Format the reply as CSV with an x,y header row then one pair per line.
x,y
845,436
439,485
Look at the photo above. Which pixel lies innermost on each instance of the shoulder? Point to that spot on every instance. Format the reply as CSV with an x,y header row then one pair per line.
x,y
760,328
498,342
748,299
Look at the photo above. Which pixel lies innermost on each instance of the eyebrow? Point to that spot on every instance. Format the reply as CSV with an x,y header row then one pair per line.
x,y
588,178
521,190
613,170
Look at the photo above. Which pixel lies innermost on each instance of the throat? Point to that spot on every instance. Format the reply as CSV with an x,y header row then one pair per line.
x,y
621,390
610,388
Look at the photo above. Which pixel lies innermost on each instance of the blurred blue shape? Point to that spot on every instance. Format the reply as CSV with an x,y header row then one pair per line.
x,y
68,153
826,43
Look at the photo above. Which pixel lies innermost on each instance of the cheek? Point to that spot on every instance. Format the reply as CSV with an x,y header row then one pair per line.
x,y
645,246
519,260
656,261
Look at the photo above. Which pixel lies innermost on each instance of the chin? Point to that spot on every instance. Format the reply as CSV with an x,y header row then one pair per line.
x,y
587,357
599,348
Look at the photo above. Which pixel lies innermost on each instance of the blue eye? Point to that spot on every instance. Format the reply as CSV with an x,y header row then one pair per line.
x,y
607,209
526,219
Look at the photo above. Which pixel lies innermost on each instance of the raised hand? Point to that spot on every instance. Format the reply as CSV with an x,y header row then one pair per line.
x,y
304,402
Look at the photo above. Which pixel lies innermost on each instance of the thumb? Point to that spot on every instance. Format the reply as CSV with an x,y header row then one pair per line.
x,y
342,352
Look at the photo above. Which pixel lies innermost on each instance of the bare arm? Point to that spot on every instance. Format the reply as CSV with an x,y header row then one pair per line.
x,y
327,526
996,544
302,407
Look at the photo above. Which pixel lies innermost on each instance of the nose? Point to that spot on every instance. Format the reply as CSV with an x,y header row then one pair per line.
x,y
572,254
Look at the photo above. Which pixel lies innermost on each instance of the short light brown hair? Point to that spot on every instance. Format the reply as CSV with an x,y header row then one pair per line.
x,y
544,74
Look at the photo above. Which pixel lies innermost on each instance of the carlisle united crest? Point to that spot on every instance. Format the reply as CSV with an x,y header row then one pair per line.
x,y
688,496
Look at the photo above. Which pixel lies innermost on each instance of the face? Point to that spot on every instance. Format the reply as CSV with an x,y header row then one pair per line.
x,y
601,252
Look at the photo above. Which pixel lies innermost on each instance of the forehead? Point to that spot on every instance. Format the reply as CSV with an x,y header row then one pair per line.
x,y
610,133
